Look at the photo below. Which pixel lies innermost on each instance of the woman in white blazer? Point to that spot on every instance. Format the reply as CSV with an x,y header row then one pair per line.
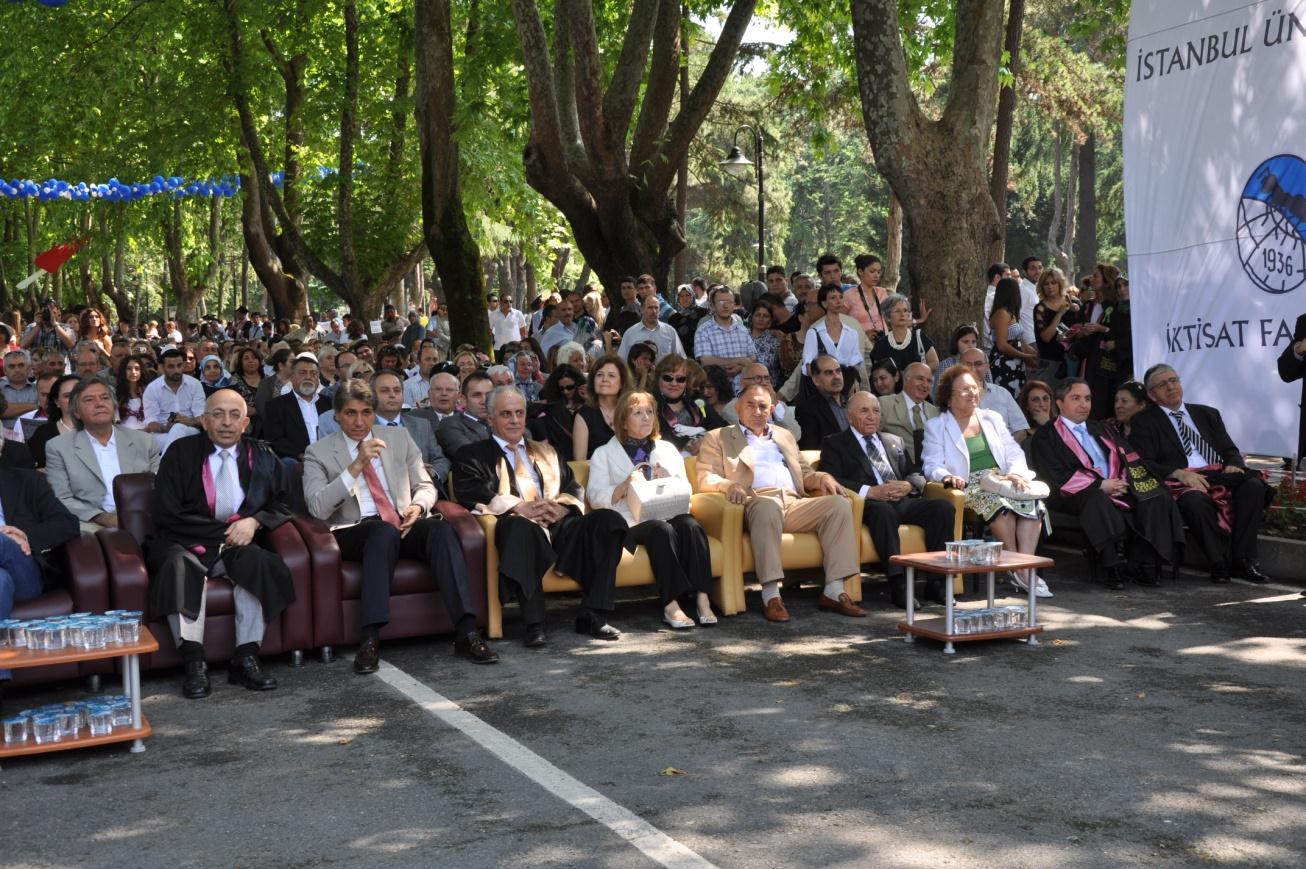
x,y
677,549
965,441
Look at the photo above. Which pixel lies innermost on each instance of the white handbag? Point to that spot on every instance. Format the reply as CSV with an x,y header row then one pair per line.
x,y
659,498
1037,490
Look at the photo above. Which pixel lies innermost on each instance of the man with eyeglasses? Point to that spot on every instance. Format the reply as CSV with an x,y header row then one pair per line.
x,y
725,340
996,399
1221,500
651,330
215,493
756,374
823,412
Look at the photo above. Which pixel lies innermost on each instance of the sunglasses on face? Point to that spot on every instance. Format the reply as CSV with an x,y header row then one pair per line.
x,y
674,378
566,387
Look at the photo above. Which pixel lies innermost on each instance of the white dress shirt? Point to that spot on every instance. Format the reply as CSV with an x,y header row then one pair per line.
x,y
215,466
308,410
663,336
1195,458
506,327
511,454
358,486
847,350
159,400
769,468
106,456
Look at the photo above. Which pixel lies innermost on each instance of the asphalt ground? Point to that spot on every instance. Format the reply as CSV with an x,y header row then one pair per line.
x,y
1152,726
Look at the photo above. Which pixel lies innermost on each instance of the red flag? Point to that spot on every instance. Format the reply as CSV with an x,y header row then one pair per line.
x,y
54,258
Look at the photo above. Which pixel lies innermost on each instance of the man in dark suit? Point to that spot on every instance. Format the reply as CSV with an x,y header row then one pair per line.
x,y
1133,527
543,521
1292,366
461,429
290,421
822,412
214,493
32,523
875,465
1188,444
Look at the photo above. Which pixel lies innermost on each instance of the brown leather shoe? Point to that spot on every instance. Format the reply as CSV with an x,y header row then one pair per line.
x,y
775,611
844,606
368,659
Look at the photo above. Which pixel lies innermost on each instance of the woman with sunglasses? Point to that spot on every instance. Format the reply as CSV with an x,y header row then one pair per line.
x,y
684,415
609,380
561,393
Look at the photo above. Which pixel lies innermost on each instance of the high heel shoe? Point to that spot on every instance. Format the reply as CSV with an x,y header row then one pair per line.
x,y
598,630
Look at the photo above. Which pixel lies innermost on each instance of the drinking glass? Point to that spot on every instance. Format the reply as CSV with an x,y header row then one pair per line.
x,y
15,729
45,728
99,718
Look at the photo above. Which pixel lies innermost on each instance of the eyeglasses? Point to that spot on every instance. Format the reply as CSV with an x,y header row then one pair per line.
x,y
566,387
674,378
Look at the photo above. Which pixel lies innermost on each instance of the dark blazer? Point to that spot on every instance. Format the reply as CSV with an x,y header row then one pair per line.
x,y
1159,446
1291,368
476,476
459,430
31,506
816,419
16,456
842,457
283,424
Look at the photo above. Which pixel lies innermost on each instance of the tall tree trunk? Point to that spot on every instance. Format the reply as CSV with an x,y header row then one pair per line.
x,y
286,292
682,174
1061,230
90,290
893,245
1006,121
187,295
611,182
938,168
1086,234
111,262
444,223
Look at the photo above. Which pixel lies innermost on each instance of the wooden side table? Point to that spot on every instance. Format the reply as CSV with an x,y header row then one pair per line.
x,y
941,629
15,659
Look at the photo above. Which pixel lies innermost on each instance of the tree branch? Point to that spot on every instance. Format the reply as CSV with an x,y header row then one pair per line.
x,y
663,77
348,130
883,82
587,81
399,269
619,101
977,52
546,135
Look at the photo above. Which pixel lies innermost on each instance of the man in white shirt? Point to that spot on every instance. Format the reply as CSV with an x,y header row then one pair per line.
x,y
1030,269
369,484
417,387
82,464
174,403
44,383
507,324
653,331
781,414
996,398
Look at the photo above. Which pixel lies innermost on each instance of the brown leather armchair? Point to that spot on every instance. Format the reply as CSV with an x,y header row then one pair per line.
x,y
86,589
416,610
291,632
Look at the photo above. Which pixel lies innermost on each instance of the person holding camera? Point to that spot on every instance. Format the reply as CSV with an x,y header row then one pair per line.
x,y
46,331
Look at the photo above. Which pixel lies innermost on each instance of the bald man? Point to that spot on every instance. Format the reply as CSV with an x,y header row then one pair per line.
x,y
904,413
781,414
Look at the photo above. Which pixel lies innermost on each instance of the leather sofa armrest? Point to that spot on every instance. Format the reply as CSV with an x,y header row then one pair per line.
x,y
471,538
328,584
719,518
88,576
958,499
129,584
297,619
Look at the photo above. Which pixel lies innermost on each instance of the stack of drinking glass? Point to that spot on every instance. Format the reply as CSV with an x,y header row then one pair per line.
x,y
1003,618
79,631
60,722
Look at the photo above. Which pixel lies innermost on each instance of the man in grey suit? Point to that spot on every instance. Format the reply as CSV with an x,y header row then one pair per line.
x,y
389,389
369,484
469,426
442,400
82,463
904,413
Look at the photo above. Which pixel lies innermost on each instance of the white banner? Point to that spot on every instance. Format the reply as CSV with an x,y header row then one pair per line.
x,y
1215,203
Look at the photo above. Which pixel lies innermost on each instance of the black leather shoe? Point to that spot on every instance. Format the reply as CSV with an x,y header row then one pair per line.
x,y
535,637
898,594
936,592
1250,571
1220,573
1113,578
475,649
598,630
1147,574
368,659
195,684
247,671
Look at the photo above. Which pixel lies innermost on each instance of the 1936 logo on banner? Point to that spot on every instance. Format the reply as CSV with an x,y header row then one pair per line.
x,y
1272,224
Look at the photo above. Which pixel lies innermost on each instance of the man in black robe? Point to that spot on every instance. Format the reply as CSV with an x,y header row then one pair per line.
x,y
215,491
543,521
1126,513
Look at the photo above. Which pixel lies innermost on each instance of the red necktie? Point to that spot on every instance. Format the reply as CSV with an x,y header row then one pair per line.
x,y
384,508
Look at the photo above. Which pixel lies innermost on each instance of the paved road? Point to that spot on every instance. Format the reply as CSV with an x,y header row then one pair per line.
x,y
1158,727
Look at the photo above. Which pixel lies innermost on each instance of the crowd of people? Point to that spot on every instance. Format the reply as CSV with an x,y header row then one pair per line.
x,y
1034,412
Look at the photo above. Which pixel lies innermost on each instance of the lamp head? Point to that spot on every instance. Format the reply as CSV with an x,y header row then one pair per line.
x,y
737,164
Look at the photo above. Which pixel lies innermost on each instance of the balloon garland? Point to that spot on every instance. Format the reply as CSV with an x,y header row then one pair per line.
x,y
53,4
116,191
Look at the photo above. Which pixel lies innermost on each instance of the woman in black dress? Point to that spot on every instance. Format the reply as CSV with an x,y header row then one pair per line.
x,y
561,395
609,380
58,419
1054,315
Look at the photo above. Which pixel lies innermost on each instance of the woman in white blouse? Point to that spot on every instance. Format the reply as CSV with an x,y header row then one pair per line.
x,y
677,549
963,443
831,334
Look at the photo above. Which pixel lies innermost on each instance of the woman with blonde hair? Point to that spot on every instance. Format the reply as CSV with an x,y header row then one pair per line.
x,y
1055,315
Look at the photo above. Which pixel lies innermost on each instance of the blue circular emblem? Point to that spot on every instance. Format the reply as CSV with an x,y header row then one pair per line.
x,y
1272,224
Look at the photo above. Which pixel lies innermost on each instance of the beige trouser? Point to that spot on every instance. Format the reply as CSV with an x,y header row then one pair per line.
x,y
777,510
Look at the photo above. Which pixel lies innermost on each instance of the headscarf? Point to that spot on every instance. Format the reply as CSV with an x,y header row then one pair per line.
x,y
224,380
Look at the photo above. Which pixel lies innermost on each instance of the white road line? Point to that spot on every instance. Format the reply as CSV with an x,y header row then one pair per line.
x,y
656,844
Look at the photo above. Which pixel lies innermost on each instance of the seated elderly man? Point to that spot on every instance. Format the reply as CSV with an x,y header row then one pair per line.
x,y
368,483
758,465
290,421
215,492
82,464
904,413
875,464
543,521
500,375
19,391
1221,500
781,414
442,400
1094,474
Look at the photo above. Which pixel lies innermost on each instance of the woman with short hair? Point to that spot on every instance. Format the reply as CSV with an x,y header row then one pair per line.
x,y
684,415
904,342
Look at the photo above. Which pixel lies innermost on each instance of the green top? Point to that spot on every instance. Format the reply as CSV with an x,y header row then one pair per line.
x,y
981,457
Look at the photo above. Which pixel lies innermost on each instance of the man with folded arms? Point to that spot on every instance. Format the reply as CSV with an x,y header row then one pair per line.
x,y
81,464
758,465
876,465
369,484
214,493
543,521
1087,467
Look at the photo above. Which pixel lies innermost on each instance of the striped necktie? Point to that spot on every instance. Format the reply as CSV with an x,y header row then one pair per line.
x,y
1193,441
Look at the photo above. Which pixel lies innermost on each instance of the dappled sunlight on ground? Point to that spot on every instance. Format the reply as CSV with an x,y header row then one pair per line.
x,y
1257,650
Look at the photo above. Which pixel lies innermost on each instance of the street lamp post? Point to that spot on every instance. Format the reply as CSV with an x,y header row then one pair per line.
x,y
737,165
